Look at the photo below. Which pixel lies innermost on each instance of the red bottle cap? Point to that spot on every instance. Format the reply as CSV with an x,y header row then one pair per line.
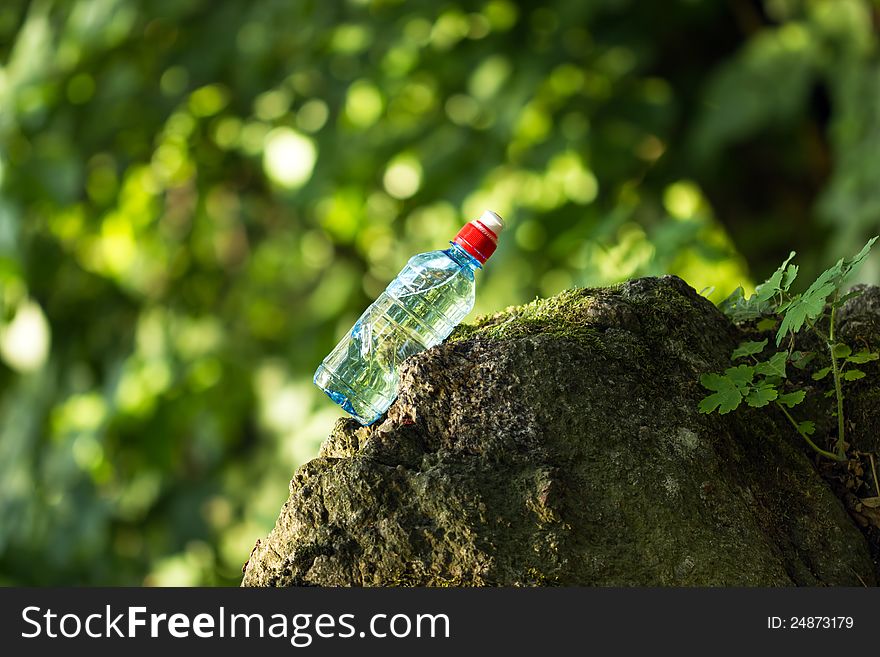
x,y
480,236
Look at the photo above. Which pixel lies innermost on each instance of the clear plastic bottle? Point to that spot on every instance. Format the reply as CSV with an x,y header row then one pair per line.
x,y
418,310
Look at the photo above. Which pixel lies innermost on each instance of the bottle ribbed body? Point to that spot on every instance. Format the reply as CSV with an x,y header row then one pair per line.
x,y
430,297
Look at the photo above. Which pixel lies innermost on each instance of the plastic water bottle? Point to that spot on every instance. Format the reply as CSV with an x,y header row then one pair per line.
x,y
418,310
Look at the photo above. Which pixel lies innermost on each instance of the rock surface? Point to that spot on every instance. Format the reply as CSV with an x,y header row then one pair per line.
x,y
859,326
560,443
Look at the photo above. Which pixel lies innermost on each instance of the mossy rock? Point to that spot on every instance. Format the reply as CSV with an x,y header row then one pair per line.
x,y
560,443
859,326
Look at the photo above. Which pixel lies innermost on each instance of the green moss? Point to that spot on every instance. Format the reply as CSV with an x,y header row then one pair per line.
x,y
666,302
568,315
561,316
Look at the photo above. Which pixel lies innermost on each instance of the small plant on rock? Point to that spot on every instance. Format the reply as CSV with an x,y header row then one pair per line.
x,y
759,377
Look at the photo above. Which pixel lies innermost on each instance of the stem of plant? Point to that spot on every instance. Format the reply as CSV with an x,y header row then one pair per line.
x,y
838,389
819,450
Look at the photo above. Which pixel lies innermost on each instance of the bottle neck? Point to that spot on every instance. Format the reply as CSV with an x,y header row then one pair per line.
x,y
462,257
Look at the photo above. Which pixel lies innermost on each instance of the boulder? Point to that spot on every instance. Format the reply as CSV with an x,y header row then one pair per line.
x,y
560,443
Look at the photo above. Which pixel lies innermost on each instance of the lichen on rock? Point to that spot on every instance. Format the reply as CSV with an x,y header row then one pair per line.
x,y
559,442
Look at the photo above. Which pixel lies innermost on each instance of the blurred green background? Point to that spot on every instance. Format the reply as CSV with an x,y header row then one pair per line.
x,y
198,198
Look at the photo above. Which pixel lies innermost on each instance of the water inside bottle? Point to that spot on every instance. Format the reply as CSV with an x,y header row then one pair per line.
x,y
418,310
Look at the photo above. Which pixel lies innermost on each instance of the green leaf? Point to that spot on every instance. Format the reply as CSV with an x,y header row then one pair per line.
x,y
810,304
861,255
826,278
846,297
773,367
734,298
761,395
739,309
807,427
800,359
790,274
773,380
741,375
863,356
856,261
792,399
792,322
771,286
841,350
767,324
821,374
748,349
853,375
726,398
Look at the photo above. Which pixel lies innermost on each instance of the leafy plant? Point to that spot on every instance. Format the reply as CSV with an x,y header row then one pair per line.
x,y
764,379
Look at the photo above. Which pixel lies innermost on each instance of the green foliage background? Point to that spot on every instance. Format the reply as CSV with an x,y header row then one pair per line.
x,y
199,197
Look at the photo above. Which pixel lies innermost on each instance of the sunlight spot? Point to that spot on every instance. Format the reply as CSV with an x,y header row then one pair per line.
x,y
363,104
208,100
312,116
289,157
24,342
403,177
272,104
682,199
